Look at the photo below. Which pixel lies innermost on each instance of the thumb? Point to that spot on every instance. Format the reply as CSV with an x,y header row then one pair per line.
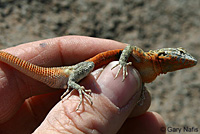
x,y
113,101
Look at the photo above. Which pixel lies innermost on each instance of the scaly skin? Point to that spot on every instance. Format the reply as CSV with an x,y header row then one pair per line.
x,y
149,64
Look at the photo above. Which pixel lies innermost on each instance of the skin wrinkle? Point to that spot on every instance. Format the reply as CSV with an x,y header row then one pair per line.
x,y
101,116
78,122
130,102
10,109
28,104
68,116
52,126
103,119
105,105
19,80
90,127
38,56
60,52
77,128
74,118
21,53
23,82
7,112
95,125
60,125
71,130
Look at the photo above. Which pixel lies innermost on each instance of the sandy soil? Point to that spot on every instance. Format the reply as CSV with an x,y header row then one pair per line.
x,y
148,24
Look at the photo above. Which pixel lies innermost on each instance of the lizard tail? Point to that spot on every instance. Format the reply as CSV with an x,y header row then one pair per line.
x,y
48,76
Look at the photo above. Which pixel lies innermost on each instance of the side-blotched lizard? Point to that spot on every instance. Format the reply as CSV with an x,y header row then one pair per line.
x,y
149,64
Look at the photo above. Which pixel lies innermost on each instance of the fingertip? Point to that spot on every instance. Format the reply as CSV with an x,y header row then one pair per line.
x,y
115,90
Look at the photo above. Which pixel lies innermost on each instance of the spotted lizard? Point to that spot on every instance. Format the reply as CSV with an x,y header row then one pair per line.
x,y
149,64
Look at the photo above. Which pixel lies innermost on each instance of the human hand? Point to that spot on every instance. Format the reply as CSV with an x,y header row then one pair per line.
x,y
27,103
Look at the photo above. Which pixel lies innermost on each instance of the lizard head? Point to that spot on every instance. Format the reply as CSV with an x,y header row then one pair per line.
x,y
171,59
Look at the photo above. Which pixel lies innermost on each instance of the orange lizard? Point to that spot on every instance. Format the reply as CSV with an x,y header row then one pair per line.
x,y
149,64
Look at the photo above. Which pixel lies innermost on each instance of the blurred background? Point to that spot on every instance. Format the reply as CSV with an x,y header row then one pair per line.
x,y
149,24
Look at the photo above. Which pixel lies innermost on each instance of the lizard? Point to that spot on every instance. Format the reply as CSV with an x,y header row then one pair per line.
x,y
149,64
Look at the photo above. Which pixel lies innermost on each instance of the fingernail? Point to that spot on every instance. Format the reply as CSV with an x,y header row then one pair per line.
x,y
117,91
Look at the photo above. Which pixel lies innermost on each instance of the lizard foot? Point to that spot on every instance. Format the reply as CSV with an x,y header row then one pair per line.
x,y
81,90
124,66
65,93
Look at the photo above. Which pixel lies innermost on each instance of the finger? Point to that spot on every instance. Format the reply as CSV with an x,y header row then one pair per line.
x,y
16,87
31,113
142,108
65,50
148,123
59,51
113,102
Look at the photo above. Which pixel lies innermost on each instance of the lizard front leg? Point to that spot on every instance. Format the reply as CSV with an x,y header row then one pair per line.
x,y
123,61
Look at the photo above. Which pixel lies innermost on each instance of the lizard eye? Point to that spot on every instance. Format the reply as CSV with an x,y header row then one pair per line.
x,y
181,52
162,54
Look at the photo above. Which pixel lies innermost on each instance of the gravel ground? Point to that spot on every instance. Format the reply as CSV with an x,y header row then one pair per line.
x,y
148,24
